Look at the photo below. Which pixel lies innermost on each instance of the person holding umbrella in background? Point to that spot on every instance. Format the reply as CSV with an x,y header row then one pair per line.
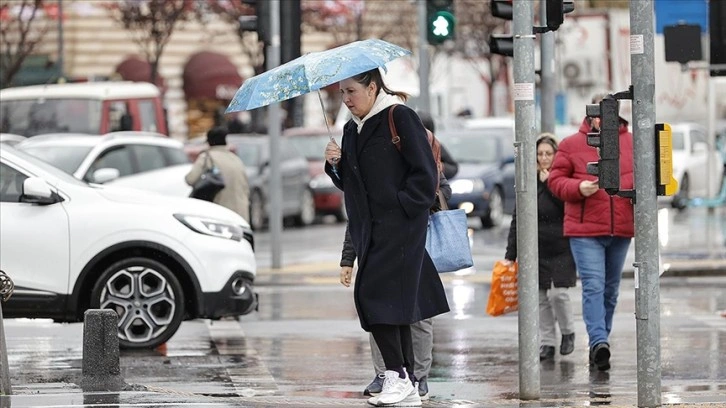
x,y
388,195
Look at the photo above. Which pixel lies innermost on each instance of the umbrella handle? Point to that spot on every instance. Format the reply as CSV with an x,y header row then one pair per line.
x,y
334,167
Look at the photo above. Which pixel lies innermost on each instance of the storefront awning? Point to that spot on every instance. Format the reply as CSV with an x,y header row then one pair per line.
x,y
210,75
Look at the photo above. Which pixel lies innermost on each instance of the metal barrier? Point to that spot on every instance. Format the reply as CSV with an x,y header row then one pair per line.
x,y
6,290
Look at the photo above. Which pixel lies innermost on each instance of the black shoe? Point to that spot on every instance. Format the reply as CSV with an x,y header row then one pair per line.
x,y
375,387
600,356
568,344
546,353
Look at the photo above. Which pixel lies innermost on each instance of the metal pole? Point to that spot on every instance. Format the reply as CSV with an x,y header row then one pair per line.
x,y
6,290
547,74
423,59
710,138
4,370
526,186
647,294
61,68
274,129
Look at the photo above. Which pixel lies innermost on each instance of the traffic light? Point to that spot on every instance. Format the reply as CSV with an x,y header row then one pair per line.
x,y
502,44
259,22
717,35
607,169
441,23
556,10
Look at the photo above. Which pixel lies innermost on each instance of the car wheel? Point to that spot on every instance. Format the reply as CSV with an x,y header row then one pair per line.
x,y
147,297
496,210
307,209
257,211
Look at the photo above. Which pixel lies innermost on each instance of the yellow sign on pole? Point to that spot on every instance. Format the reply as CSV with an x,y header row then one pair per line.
x,y
667,185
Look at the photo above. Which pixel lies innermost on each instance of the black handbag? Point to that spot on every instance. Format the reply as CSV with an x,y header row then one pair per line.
x,y
210,182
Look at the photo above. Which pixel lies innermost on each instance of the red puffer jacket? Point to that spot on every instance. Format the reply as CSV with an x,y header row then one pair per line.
x,y
600,214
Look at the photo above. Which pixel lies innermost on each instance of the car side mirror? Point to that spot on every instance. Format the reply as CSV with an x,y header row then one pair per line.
x,y
105,175
37,191
700,147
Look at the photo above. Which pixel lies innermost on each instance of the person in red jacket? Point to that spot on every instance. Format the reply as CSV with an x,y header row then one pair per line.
x,y
600,228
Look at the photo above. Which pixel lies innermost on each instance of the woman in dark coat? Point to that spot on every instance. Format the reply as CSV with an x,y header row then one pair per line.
x,y
556,266
388,194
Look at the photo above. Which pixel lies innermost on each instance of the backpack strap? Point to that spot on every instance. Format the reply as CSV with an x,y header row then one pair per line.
x,y
433,143
395,139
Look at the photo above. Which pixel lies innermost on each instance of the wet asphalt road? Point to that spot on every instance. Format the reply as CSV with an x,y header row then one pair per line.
x,y
305,347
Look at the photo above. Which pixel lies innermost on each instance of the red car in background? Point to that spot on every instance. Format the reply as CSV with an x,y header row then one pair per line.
x,y
311,143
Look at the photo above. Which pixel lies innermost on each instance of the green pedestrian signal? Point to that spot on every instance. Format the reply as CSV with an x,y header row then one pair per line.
x,y
441,21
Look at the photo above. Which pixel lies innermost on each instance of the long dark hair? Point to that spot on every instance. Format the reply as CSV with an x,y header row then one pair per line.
x,y
374,76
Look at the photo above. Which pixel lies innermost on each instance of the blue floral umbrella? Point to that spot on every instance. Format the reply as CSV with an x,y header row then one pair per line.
x,y
313,71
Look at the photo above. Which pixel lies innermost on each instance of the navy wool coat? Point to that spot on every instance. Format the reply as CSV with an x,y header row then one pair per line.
x,y
388,195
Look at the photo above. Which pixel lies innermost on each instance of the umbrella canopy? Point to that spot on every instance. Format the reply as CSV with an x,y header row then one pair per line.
x,y
312,72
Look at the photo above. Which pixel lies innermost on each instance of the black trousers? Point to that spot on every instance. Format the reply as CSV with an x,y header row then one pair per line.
x,y
396,346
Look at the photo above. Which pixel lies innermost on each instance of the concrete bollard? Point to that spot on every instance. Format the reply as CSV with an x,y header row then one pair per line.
x,y
101,369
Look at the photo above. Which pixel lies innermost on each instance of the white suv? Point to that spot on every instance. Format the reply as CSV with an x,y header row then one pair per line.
x,y
156,260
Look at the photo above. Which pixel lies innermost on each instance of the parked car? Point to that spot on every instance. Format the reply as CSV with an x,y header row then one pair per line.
x,y
484,185
93,108
11,139
155,260
297,197
690,162
103,159
311,143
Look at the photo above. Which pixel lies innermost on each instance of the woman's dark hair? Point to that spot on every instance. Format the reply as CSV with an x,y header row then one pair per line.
x,y
548,138
374,76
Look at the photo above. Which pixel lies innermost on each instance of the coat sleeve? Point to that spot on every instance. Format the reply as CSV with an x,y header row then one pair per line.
x,y
561,181
419,188
511,253
347,257
336,173
197,168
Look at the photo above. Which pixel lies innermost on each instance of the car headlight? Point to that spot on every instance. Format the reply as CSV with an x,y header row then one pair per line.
x,y
215,228
466,186
321,181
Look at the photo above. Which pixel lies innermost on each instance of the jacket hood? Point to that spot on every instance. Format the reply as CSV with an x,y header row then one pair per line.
x,y
585,127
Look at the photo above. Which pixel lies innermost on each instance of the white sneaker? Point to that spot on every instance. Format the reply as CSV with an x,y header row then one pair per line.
x,y
412,400
395,389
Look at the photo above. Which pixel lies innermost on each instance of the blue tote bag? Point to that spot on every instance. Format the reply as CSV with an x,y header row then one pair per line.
x,y
447,241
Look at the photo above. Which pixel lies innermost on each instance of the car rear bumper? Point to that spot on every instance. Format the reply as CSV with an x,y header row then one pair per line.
x,y
328,200
237,297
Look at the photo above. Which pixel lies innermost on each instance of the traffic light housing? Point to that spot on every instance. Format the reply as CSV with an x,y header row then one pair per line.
x,y
607,140
440,20
556,10
502,44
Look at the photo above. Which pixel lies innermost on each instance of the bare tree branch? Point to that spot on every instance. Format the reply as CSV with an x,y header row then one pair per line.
x,y
19,36
151,23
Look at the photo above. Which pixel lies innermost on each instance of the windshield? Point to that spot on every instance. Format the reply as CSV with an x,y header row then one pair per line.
x,y
480,147
312,147
678,141
55,172
32,117
249,153
66,158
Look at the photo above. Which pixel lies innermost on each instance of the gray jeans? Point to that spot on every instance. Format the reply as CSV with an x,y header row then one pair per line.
x,y
423,343
554,306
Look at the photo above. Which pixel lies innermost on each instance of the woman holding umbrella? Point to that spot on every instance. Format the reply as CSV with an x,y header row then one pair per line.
x,y
388,194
